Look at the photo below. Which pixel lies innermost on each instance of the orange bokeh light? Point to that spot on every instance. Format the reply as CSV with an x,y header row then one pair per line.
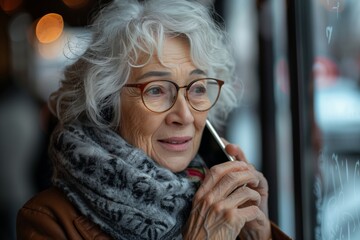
x,y
49,28
75,3
10,5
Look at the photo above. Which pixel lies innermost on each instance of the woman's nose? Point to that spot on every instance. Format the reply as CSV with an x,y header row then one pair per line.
x,y
181,112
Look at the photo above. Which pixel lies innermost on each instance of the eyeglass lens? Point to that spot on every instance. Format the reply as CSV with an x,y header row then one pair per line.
x,y
160,96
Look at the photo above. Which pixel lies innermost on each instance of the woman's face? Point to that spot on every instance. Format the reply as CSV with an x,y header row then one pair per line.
x,y
171,138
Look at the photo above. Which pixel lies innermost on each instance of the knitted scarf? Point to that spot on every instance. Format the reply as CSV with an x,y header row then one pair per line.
x,y
118,186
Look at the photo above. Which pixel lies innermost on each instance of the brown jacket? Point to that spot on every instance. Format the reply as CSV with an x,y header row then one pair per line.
x,y
50,215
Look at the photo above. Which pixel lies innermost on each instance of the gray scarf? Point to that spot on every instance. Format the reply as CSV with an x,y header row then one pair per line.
x,y
118,186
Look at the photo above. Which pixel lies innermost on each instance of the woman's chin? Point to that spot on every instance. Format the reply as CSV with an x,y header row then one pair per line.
x,y
175,163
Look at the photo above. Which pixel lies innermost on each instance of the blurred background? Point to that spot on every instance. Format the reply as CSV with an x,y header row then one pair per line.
x,y
299,121
33,50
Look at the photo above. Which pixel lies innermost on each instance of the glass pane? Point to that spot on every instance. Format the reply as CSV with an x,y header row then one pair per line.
x,y
336,38
243,127
283,120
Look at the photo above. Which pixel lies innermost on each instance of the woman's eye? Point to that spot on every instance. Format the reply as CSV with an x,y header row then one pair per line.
x,y
199,89
153,91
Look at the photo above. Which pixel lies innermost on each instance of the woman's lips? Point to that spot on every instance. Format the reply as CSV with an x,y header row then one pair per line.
x,y
177,144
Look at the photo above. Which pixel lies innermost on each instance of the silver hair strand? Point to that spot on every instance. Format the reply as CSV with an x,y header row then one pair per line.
x,y
124,30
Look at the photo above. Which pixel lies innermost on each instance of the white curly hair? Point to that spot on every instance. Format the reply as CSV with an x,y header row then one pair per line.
x,y
121,32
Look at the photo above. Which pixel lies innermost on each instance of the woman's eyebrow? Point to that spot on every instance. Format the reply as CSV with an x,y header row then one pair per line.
x,y
154,74
165,74
197,72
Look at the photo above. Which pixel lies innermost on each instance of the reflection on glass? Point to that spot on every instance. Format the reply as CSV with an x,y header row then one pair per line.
x,y
337,115
338,197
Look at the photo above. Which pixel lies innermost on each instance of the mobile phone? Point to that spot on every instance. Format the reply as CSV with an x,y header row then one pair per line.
x,y
212,149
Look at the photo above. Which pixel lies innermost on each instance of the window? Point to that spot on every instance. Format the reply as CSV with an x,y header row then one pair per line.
x,y
301,111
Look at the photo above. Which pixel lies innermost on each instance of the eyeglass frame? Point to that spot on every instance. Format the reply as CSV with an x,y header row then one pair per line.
x,y
142,86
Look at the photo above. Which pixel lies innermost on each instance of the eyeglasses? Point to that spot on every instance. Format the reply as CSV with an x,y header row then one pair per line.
x,y
160,95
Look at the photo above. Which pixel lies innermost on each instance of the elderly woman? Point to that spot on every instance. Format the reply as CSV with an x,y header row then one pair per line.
x,y
131,113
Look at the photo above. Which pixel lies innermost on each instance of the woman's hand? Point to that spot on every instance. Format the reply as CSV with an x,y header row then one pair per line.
x,y
254,230
231,202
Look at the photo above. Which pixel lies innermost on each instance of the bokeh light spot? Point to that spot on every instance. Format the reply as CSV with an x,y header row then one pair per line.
x,y
49,28
10,5
75,3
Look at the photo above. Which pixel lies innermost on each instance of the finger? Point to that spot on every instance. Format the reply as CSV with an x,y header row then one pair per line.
x,y
262,185
234,218
262,188
240,198
244,197
227,194
216,173
229,183
235,151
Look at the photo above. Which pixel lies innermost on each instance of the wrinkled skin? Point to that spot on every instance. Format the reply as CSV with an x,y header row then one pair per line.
x,y
171,138
230,203
222,207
